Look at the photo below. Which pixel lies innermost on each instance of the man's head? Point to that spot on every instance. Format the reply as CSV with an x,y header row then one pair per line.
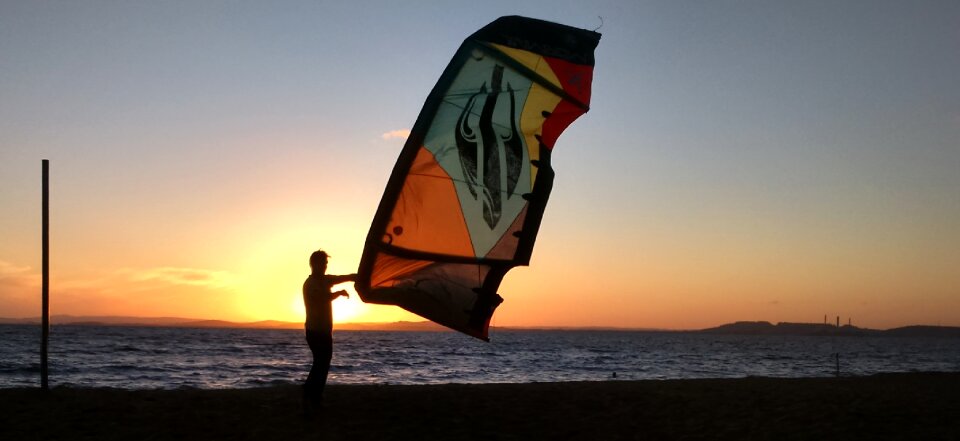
x,y
318,261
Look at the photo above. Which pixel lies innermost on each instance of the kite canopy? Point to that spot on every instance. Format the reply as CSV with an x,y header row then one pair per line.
x,y
467,194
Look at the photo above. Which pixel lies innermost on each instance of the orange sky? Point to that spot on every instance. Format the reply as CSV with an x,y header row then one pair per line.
x,y
738,163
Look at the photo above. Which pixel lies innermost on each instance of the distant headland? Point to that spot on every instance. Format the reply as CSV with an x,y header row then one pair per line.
x,y
736,328
180,322
824,329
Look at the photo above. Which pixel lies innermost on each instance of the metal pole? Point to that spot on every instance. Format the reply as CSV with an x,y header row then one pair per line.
x,y
45,314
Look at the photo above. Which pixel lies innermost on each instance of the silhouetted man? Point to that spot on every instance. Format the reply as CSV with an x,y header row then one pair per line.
x,y
319,325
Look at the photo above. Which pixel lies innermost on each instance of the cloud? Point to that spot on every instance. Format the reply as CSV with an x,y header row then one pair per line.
x,y
19,291
396,134
7,268
183,276
125,291
17,276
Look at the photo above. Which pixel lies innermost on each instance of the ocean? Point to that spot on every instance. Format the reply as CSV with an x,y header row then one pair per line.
x,y
168,358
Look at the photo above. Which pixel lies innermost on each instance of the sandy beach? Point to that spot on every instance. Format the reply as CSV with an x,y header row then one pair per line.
x,y
892,406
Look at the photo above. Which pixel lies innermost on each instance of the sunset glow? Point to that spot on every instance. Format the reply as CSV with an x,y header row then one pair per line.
x,y
739,161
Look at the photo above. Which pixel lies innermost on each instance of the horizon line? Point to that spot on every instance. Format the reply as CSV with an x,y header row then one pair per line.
x,y
172,321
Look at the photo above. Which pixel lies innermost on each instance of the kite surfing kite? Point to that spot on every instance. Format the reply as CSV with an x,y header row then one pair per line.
x,y
467,194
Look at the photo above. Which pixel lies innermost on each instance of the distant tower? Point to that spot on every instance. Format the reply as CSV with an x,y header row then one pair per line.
x,y
824,319
838,321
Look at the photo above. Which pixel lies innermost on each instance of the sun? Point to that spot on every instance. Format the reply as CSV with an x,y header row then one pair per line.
x,y
297,308
345,309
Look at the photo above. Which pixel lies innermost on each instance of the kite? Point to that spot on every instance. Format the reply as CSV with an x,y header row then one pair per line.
x,y
464,202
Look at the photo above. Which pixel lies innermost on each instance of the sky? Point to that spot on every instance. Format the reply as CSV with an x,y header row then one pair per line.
x,y
742,160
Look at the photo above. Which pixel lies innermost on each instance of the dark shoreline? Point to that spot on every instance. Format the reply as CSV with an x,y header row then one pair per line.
x,y
887,406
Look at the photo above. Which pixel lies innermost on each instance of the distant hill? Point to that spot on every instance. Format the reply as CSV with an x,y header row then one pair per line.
x,y
395,326
105,320
737,328
784,328
180,322
924,331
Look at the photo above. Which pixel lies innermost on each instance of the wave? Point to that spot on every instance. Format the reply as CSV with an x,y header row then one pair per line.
x,y
174,358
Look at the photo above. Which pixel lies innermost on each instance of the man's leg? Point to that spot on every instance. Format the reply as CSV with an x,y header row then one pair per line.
x,y
322,362
321,345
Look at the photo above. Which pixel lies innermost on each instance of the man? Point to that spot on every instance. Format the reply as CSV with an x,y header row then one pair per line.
x,y
319,324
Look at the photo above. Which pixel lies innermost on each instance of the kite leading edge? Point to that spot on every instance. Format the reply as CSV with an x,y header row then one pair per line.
x,y
467,194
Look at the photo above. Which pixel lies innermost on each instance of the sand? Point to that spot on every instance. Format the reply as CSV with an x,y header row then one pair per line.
x,y
892,406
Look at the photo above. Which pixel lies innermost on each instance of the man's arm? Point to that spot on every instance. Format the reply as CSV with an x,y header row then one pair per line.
x,y
334,295
341,279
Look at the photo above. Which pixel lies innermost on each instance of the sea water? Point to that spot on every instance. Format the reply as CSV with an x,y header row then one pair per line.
x,y
153,357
